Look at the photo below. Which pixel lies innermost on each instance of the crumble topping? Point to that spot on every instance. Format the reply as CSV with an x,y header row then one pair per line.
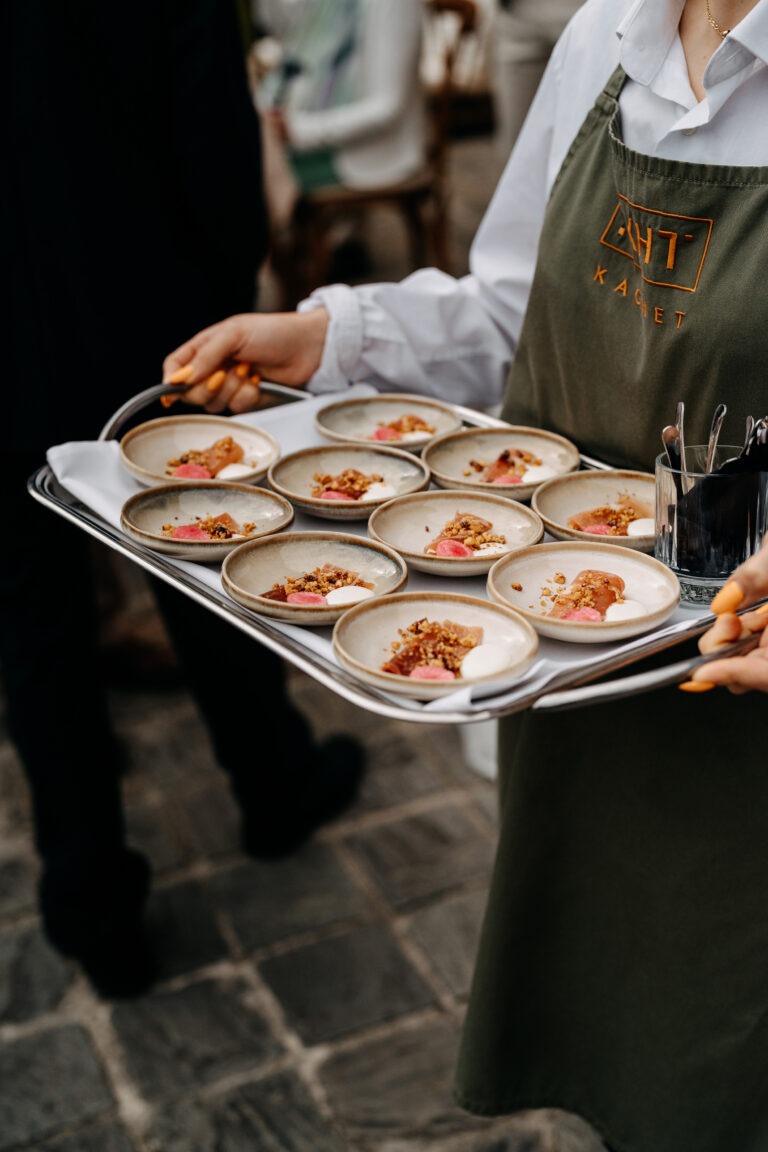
x,y
431,643
470,530
350,482
321,581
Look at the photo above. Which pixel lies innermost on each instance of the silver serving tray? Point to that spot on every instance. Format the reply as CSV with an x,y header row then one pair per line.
x,y
563,688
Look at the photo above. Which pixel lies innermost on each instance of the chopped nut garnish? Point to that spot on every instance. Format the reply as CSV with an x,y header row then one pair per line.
x,y
517,587
352,483
321,581
427,642
468,529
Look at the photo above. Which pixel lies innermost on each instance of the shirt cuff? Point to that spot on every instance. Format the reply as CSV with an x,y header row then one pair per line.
x,y
343,340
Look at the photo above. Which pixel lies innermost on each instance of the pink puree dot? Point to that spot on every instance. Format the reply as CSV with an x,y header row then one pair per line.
x,y
507,480
333,494
581,614
598,529
192,472
306,598
452,548
189,532
431,672
386,434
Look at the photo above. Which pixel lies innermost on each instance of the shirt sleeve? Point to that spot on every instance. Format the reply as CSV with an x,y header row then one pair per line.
x,y
446,337
389,59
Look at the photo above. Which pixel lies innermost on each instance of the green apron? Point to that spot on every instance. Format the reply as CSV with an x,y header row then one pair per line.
x,y
623,967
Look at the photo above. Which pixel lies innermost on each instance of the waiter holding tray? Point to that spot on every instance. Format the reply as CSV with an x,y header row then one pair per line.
x,y
620,268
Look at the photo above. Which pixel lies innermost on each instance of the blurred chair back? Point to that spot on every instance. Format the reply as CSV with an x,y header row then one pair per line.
x,y
301,259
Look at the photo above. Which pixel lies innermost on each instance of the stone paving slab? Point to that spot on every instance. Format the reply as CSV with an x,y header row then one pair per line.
x,y
424,856
336,986
273,1115
267,901
49,1080
447,932
33,977
177,1041
184,929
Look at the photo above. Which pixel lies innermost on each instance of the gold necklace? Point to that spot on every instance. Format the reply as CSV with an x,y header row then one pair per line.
x,y
722,33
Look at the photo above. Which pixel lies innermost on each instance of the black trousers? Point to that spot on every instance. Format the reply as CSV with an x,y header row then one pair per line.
x,y
56,701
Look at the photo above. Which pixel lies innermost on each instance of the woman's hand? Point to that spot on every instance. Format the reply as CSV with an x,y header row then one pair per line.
x,y
748,584
223,363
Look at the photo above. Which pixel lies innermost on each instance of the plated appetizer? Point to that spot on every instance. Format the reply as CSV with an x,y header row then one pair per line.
x,y
197,450
390,417
351,485
222,461
327,585
202,521
467,535
221,527
346,482
585,593
512,466
311,577
454,534
511,460
616,506
428,644
409,428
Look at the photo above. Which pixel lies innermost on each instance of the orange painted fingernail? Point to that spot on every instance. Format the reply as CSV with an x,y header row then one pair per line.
x,y
695,686
166,401
727,599
242,369
215,380
181,375
762,611
256,379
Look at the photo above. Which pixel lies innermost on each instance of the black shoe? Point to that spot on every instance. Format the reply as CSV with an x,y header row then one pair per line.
x,y
275,828
95,916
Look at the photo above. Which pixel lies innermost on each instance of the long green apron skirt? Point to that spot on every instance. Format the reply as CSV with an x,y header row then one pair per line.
x,y
623,966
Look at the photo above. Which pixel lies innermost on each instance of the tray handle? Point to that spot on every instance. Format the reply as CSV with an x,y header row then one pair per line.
x,y
142,399
639,683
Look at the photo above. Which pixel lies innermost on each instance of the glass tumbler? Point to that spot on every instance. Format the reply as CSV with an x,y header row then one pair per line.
x,y
707,523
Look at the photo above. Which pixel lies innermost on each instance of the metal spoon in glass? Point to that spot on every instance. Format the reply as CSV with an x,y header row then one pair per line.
x,y
714,433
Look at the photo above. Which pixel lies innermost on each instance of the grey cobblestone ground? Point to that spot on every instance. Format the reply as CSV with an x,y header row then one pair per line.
x,y
309,1005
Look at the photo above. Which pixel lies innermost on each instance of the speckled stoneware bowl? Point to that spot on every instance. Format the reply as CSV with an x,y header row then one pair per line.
x,y
293,477
146,449
356,421
557,500
448,457
646,580
363,637
409,523
143,516
255,567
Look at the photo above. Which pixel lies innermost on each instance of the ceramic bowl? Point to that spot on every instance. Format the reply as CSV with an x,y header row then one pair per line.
x,y
293,477
448,457
363,637
409,523
356,421
146,450
557,500
255,567
143,516
518,582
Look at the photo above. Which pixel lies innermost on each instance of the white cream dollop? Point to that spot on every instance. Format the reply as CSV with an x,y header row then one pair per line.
x,y
537,472
234,471
379,491
625,610
488,659
643,526
349,594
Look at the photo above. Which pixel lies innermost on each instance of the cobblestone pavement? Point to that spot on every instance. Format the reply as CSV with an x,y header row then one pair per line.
x,y
309,1005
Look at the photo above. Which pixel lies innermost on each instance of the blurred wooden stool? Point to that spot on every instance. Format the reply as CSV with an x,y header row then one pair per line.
x,y
302,258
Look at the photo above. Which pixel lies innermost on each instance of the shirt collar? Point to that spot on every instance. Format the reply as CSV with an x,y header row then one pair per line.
x,y
647,31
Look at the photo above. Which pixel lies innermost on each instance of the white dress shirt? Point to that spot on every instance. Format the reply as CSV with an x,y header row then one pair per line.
x,y
455,339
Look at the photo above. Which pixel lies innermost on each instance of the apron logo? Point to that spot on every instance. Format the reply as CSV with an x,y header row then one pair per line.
x,y
666,248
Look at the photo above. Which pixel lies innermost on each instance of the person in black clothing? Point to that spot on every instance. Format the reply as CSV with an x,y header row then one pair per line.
x,y
131,202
